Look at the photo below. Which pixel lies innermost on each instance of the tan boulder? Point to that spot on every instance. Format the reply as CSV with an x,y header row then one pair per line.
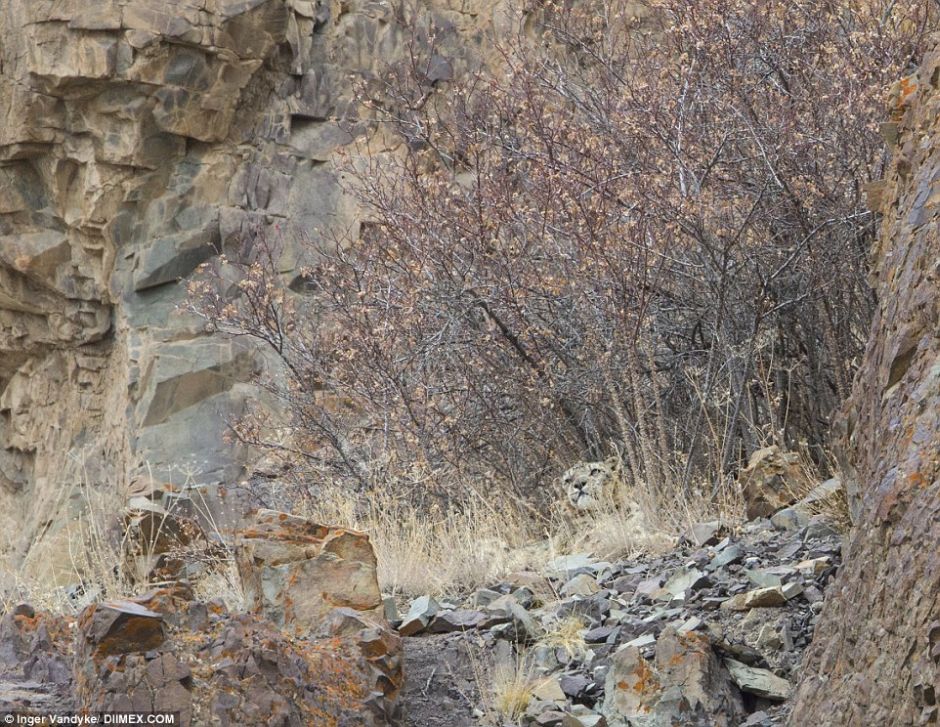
x,y
760,682
772,480
320,582
295,572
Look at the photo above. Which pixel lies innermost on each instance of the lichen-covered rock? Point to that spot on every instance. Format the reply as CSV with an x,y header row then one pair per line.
x,y
315,651
247,672
877,648
772,480
119,627
295,572
316,581
685,685
163,652
35,662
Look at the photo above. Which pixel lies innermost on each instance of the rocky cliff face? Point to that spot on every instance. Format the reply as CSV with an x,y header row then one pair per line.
x,y
876,654
138,138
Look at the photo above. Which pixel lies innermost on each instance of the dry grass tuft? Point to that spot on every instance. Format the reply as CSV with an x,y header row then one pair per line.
x,y
674,512
509,689
639,520
568,635
813,499
512,693
834,508
620,531
480,541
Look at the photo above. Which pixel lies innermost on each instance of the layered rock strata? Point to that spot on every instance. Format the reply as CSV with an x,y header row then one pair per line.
x,y
875,658
138,139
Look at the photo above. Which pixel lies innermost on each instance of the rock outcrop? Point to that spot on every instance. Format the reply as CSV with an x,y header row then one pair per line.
x,y
875,660
313,580
295,572
165,651
138,139
683,685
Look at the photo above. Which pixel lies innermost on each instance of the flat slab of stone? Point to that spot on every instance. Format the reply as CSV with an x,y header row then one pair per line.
x,y
758,598
760,682
121,627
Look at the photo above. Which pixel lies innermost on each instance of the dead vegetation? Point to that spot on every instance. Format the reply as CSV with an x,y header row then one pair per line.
x,y
101,555
563,260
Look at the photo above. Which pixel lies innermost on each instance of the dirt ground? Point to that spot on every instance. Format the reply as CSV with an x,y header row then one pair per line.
x,y
441,687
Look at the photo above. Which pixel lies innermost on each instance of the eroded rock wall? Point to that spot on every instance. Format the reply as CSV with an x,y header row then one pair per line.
x,y
875,656
137,138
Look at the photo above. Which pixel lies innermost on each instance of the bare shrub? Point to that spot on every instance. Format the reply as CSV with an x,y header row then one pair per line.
x,y
641,229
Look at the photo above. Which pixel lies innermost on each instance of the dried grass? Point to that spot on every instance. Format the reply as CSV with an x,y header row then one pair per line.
x,y
437,553
642,519
94,548
568,635
512,691
86,553
419,552
508,688
480,542
833,507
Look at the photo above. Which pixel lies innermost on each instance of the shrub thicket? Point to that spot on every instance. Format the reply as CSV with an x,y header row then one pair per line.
x,y
640,229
